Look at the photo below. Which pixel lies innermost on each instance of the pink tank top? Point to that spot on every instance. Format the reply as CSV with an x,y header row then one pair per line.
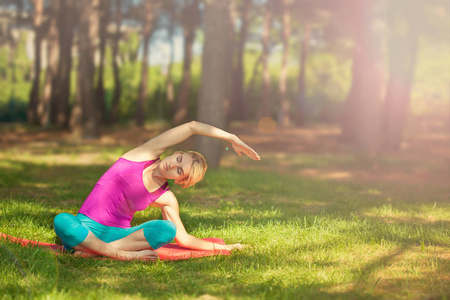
x,y
119,193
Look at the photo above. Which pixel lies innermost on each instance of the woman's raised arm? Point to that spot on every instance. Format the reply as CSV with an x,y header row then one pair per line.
x,y
157,145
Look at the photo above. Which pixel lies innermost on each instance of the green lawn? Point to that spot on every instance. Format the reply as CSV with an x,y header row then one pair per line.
x,y
310,237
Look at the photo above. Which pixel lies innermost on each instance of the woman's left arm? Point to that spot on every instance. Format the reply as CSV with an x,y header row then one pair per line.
x,y
157,145
239,146
170,211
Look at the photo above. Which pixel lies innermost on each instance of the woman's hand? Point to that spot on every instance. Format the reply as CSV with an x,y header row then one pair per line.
x,y
241,147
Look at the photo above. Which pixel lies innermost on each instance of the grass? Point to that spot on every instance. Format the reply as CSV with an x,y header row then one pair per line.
x,y
310,237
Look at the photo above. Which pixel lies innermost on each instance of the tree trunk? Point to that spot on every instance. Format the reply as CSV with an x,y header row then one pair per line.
x,y
402,62
284,119
85,115
105,12
12,43
115,61
301,113
60,110
169,79
238,107
46,106
32,112
264,109
361,115
216,76
19,17
190,20
146,35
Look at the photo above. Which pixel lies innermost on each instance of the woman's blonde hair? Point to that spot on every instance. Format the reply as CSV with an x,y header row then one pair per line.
x,y
198,170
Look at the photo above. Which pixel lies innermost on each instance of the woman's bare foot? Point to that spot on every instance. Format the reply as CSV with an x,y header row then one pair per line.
x,y
127,255
79,253
142,255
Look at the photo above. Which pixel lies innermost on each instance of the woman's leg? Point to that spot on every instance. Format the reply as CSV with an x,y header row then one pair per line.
x,y
149,235
70,230
75,235
92,244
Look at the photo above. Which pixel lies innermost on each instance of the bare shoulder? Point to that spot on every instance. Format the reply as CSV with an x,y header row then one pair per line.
x,y
141,154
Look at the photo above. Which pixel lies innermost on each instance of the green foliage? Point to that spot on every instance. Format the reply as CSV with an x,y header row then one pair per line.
x,y
431,90
328,80
15,83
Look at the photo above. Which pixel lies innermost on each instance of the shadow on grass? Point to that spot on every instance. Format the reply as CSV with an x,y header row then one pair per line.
x,y
256,197
51,185
256,200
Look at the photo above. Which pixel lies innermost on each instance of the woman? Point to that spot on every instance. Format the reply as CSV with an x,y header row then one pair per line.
x,y
134,182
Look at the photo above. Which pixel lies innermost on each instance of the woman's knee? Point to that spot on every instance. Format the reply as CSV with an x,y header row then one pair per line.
x,y
69,229
170,229
60,222
161,233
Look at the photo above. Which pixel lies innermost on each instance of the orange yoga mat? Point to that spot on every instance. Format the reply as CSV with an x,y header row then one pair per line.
x,y
168,252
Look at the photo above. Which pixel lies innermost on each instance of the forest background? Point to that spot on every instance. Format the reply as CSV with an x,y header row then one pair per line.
x,y
369,66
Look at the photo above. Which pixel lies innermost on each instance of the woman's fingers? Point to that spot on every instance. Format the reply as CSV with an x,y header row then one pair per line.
x,y
252,154
255,155
243,148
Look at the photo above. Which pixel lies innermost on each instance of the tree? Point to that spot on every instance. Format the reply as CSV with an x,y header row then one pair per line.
x,y
238,107
402,47
104,19
304,50
283,116
32,112
115,62
147,30
169,78
66,19
263,110
216,75
306,17
46,104
84,119
190,20
361,113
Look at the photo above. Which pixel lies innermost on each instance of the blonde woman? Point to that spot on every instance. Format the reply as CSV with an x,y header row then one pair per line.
x,y
135,181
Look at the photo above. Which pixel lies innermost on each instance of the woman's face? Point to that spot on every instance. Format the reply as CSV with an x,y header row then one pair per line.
x,y
176,166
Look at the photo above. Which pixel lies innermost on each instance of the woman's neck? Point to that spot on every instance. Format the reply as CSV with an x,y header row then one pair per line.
x,y
155,174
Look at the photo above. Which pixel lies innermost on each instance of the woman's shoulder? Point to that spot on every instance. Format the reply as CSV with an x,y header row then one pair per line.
x,y
137,155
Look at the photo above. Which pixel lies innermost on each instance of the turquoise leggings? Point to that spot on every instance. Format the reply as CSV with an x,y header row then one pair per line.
x,y
72,230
